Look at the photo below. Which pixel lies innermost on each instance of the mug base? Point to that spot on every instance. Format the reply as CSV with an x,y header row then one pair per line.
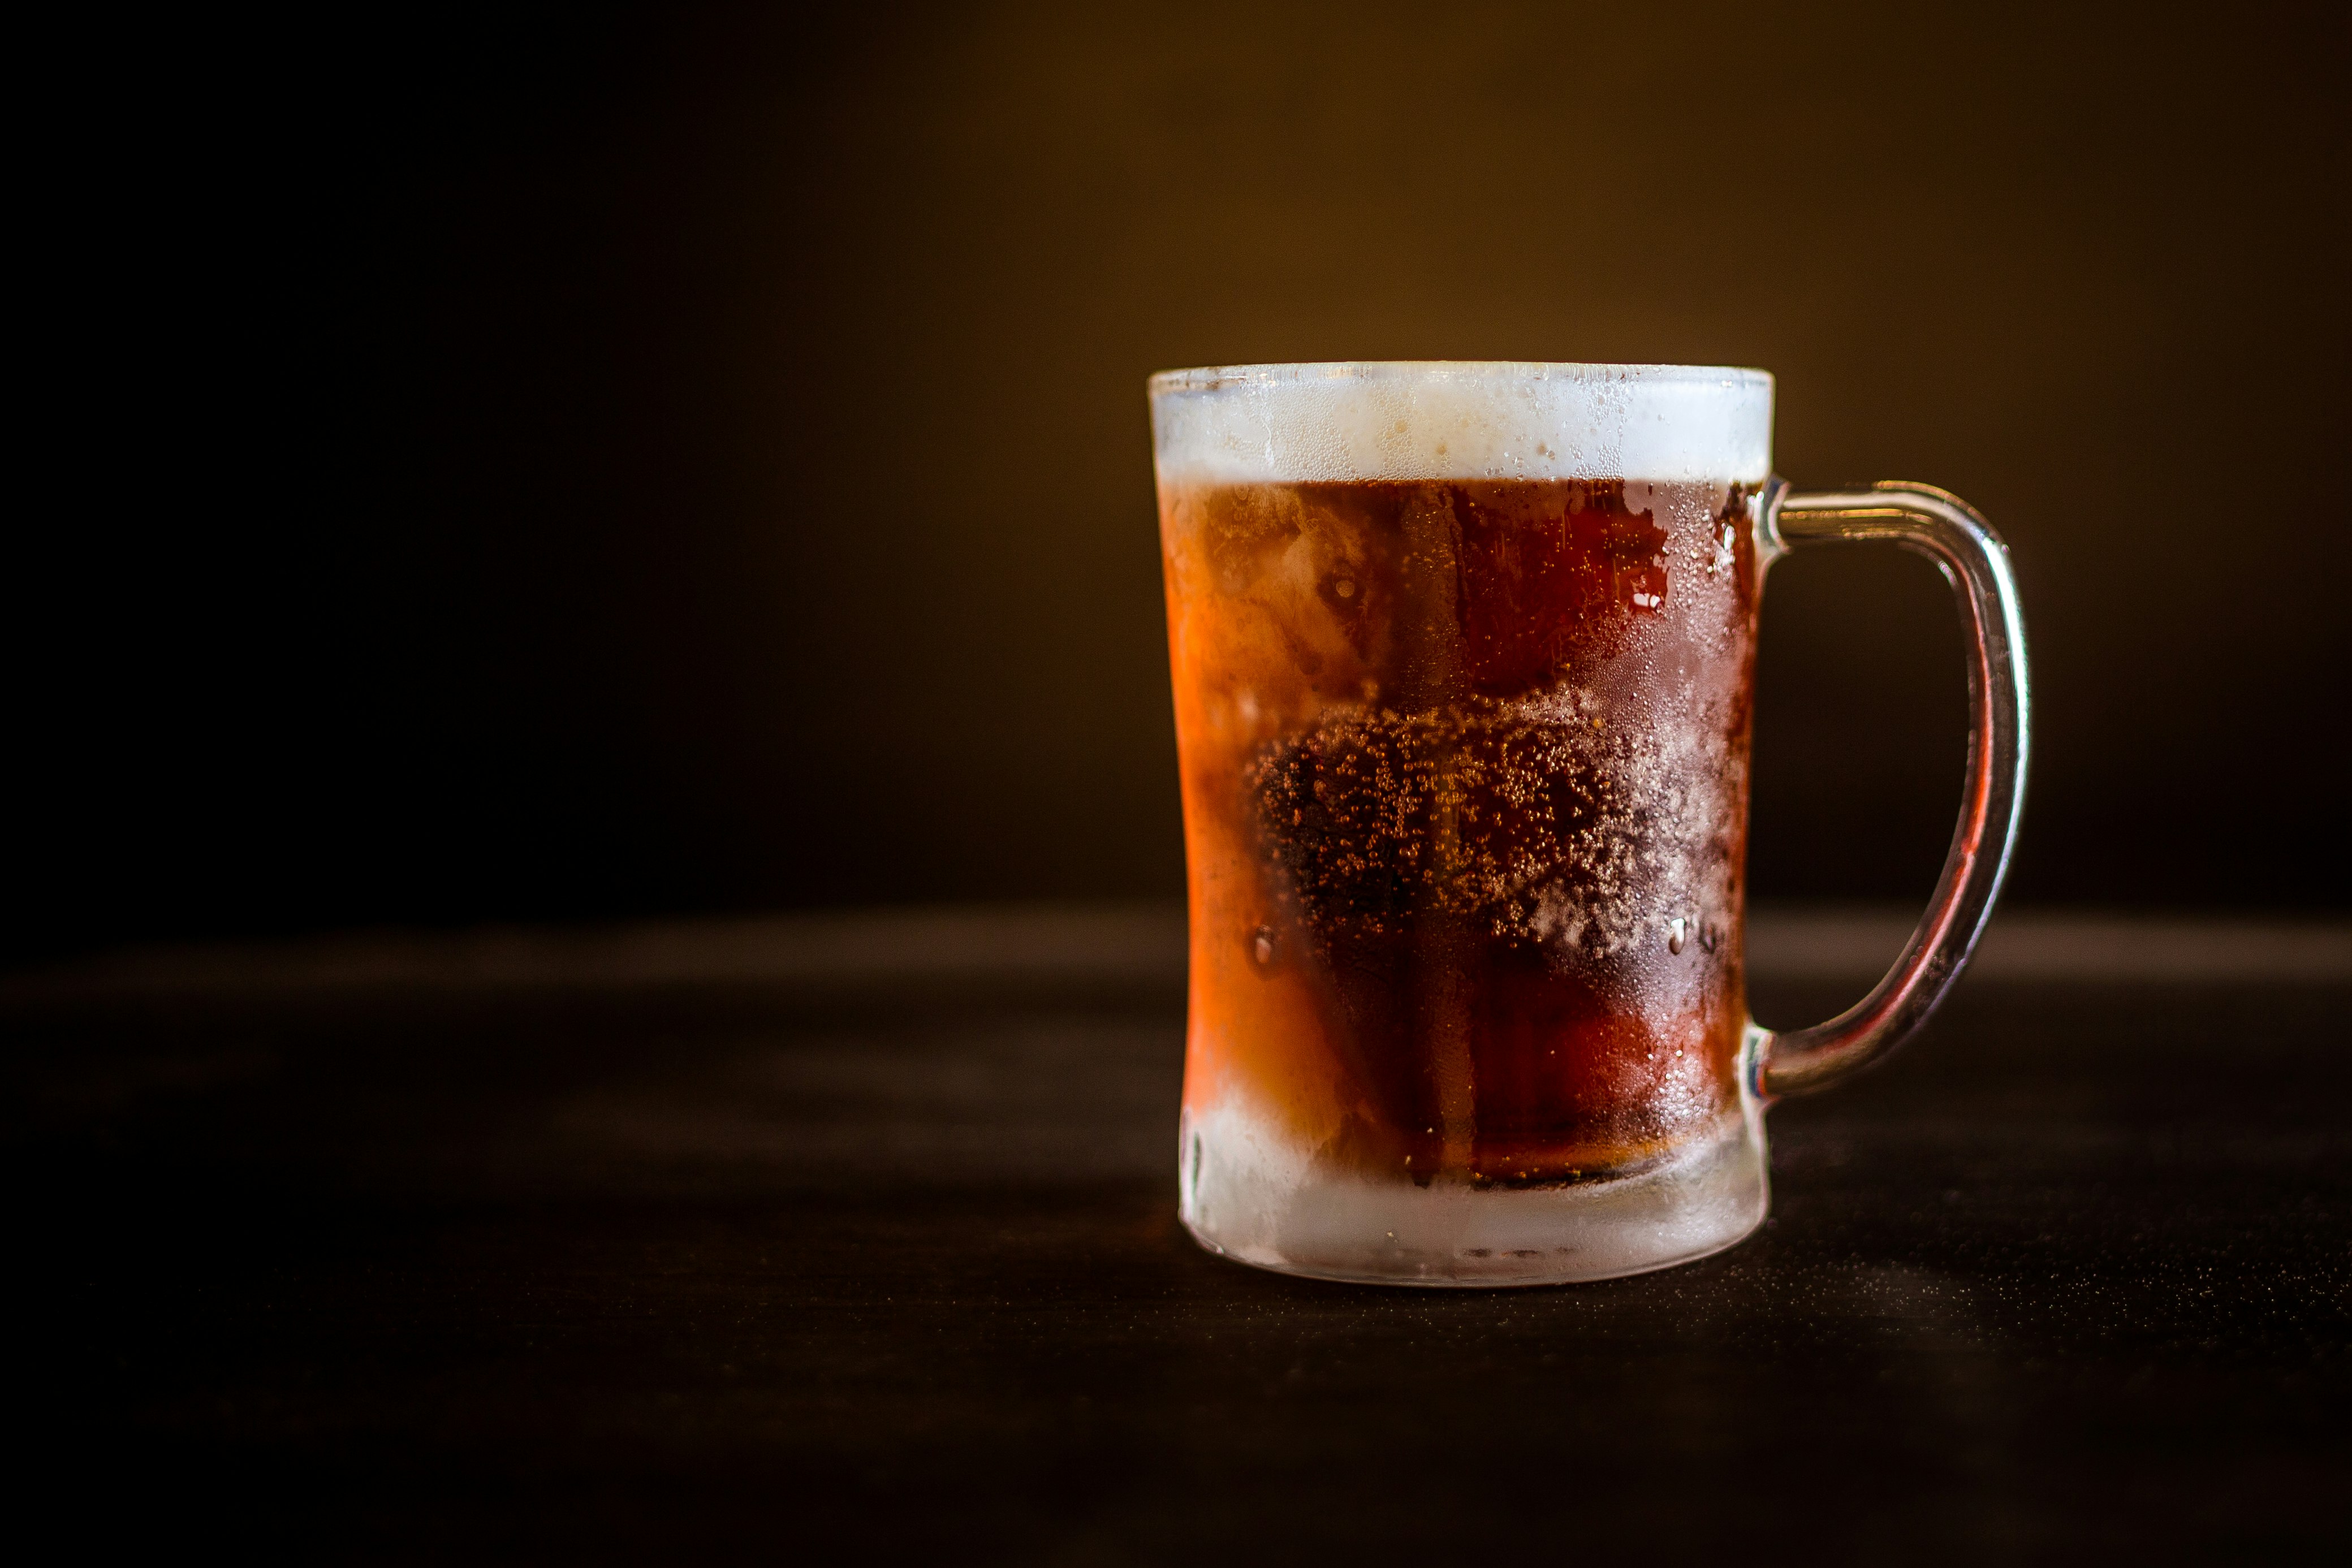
x,y
1242,1200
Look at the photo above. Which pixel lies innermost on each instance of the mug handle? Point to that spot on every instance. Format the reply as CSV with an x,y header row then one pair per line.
x,y
1947,530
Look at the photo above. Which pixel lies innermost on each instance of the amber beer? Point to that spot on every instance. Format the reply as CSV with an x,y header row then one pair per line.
x,y
1465,772
1464,762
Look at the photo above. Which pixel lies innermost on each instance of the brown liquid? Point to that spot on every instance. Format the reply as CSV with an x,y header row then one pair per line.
x,y
1465,772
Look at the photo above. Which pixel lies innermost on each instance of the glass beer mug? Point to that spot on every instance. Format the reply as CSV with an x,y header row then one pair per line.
x,y
1463,659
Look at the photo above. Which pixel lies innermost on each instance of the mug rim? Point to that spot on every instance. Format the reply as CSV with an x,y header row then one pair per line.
x,y
1217,377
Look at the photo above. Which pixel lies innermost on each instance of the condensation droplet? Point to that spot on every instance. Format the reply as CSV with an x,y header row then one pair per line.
x,y
1262,947
1678,933
1345,587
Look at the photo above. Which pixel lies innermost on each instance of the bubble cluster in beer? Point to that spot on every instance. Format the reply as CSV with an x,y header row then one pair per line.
x,y
1538,819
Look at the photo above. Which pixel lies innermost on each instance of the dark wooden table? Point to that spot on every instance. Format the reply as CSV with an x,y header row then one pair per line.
x,y
843,1240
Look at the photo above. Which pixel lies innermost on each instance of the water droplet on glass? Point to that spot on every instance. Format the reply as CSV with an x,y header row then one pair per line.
x,y
1677,931
1262,947
1345,587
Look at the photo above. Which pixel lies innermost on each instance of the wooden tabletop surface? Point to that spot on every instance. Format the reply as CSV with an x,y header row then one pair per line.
x,y
845,1238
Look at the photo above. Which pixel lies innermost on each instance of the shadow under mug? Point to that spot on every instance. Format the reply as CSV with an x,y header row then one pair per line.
x,y
1464,662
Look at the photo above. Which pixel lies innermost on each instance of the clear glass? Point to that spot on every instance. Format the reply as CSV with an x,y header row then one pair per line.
x,y
1463,658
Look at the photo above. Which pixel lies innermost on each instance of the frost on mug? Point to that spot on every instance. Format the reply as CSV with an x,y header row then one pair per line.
x,y
1463,658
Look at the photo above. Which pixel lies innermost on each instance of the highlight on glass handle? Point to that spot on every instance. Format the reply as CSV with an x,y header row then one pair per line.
x,y
1945,528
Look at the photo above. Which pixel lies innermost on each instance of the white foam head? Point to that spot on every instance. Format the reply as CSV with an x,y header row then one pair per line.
x,y
1461,419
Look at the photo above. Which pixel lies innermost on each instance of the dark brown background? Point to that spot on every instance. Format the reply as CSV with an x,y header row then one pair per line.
x,y
576,461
